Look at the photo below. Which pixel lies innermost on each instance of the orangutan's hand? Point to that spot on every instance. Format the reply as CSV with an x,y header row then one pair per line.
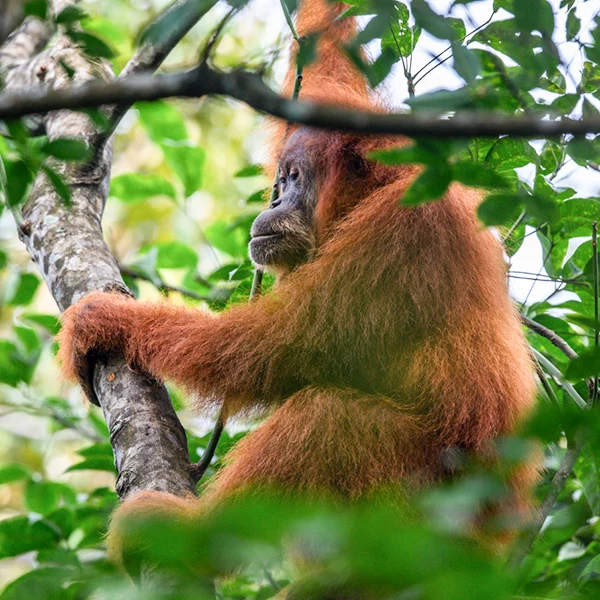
x,y
96,326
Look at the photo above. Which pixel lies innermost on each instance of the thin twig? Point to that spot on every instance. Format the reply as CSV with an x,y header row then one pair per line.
x,y
575,445
160,284
46,411
152,53
550,335
216,34
199,468
554,489
437,56
290,21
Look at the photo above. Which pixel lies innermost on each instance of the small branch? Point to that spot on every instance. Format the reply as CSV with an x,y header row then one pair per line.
x,y
216,34
290,21
21,46
11,17
462,39
251,89
552,337
39,408
198,469
524,544
556,486
172,25
160,284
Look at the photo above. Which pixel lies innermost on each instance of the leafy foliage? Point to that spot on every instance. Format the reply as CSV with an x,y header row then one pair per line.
x,y
185,191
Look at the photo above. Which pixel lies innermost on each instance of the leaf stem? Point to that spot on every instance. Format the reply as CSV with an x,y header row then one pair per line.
x,y
290,22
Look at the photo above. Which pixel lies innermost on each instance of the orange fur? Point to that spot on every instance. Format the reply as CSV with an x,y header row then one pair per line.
x,y
397,343
332,78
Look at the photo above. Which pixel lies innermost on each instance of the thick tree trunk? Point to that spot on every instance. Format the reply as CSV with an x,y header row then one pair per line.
x,y
67,245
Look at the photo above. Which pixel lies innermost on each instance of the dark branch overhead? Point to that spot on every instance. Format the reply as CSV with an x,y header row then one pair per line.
x,y
251,89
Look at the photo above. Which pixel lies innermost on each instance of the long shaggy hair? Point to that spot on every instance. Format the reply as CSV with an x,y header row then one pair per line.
x,y
396,344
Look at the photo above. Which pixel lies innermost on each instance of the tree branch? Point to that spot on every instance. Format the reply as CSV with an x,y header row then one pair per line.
x,y
67,245
524,544
11,16
552,337
251,89
159,39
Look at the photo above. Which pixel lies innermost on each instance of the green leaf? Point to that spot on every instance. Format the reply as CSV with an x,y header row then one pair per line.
x,y
556,83
170,20
95,463
67,149
162,121
534,15
430,185
587,364
544,208
590,78
587,470
49,322
232,272
435,24
510,153
258,197
441,101
555,372
499,209
175,255
91,44
250,171
70,14
18,179
580,212
307,53
592,569
13,366
21,290
573,25
14,472
403,155
401,38
28,339
232,242
565,104
550,157
478,175
583,150
45,583
19,535
37,8
133,187
103,449
466,63
41,497
187,162
60,187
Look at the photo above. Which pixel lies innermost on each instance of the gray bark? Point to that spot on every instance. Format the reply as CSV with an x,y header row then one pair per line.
x,y
67,245
11,16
